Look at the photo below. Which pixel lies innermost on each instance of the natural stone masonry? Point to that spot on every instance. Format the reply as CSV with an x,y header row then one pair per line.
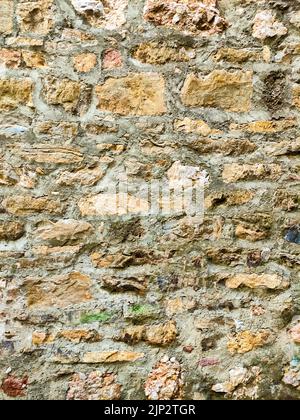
x,y
107,292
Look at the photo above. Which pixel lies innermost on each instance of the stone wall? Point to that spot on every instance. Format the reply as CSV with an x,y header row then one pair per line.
x,y
99,306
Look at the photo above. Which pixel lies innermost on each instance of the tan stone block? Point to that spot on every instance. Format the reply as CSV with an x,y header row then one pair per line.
x,y
246,341
58,291
6,16
15,92
160,335
234,55
35,16
42,153
265,126
34,59
115,356
78,336
220,89
235,172
260,281
85,62
10,58
40,338
86,177
109,204
11,231
135,94
158,53
200,127
20,205
62,92
64,230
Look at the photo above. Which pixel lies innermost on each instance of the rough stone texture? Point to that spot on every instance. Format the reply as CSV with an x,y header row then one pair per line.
x,y
165,382
136,94
15,92
94,387
220,89
100,299
7,16
191,16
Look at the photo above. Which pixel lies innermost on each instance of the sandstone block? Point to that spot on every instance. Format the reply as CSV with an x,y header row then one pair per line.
x,y
25,205
220,89
115,356
11,231
135,94
15,92
6,16
235,172
64,230
58,291
260,281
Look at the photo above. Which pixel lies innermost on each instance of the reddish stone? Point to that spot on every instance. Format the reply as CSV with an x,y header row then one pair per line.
x,y
14,387
112,59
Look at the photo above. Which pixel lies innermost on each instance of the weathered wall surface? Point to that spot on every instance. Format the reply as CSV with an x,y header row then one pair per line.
x,y
97,306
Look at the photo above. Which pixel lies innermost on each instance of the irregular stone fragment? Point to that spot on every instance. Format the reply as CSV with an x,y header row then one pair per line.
x,y
284,148
239,56
161,335
190,16
11,231
266,25
86,177
57,129
265,126
246,341
39,338
112,59
25,205
296,96
292,377
99,14
260,281
156,53
15,92
295,333
115,356
85,62
43,153
228,198
165,382
64,230
58,291
200,127
62,92
35,16
135,94
237,376
235,172
95,386
228,147
34,59
112,204
10,58
250,234
6,16
220,89
78,336
125,284
14,387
